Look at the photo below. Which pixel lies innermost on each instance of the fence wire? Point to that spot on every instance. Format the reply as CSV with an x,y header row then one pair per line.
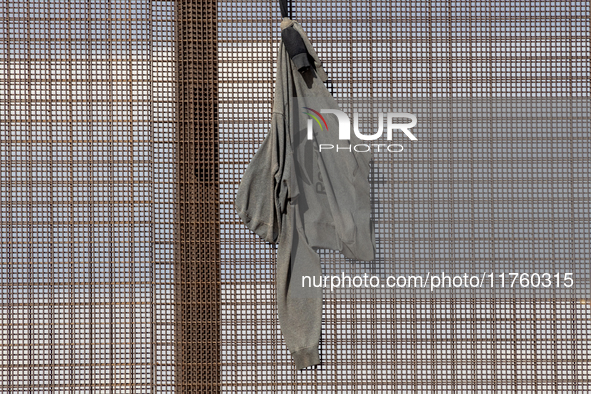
x,y
87,128
125,127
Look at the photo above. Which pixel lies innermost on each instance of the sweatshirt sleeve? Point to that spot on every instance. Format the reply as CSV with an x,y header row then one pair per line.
x,y
260,198
264,190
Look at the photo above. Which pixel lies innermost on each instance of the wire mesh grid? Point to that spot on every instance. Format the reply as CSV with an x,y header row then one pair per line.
x,y
114,112
430,205
87,94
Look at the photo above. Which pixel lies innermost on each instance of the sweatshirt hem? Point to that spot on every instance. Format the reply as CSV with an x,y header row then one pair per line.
x,y
306,357
262,229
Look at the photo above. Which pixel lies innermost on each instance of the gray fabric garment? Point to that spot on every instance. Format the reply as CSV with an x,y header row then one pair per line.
x,y
293,195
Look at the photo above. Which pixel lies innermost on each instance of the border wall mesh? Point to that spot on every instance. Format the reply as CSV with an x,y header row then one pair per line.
x,y
125,127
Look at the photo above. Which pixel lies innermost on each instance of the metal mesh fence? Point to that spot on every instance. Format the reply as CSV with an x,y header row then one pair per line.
x,y
126,125
449,202
197,270
87,126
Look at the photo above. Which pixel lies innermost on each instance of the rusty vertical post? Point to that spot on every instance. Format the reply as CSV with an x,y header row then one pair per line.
x,y
197,236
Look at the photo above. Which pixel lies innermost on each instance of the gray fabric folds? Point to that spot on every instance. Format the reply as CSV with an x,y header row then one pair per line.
x,y
303,199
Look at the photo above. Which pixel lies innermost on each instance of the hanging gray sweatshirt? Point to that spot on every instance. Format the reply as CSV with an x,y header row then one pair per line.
x,y
304,198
